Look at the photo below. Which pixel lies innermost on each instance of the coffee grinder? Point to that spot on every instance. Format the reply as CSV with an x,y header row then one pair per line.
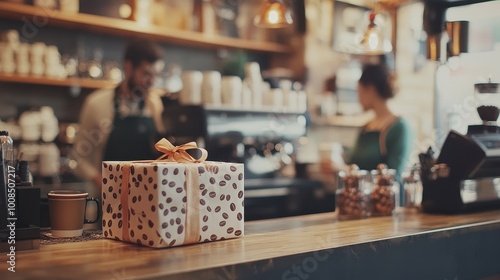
x,y
466,175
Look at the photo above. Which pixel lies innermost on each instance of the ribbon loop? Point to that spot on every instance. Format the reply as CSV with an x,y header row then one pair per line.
x,y
179,153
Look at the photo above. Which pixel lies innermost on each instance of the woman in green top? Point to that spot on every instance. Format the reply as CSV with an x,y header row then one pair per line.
x,y
384,139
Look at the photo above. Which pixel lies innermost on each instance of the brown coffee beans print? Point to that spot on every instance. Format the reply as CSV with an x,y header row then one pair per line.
x,y
158,200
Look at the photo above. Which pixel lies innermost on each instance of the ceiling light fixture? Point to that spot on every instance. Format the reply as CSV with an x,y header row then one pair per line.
x,y
373,41
274,14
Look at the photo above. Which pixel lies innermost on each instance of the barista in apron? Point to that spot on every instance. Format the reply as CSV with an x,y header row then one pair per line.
x,y
132,137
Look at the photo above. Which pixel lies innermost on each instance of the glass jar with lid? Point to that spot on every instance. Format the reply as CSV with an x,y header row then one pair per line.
x,y
352,194
384,196
412,186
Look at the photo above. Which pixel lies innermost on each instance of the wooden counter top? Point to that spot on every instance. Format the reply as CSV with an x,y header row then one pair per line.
x,y
265,245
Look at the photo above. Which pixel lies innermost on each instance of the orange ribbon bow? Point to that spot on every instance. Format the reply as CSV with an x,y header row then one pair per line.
x,y
179,153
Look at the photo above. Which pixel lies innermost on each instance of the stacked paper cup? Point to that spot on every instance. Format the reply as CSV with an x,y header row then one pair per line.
x,y
302,101
49,124
9,42
231,89
53,65
253,79
7,64
191,91
23,59
289,97
211,88
37,52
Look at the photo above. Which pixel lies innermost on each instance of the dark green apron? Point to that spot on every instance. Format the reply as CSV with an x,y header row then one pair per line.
x,y
131,138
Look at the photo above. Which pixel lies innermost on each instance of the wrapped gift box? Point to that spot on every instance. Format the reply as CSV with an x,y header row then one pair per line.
x,y
163,204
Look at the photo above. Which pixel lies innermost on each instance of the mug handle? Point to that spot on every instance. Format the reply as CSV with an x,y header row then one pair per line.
x,y
98,218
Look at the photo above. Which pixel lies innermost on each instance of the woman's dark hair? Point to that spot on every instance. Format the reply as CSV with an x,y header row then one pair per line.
x,y
138,51
378,76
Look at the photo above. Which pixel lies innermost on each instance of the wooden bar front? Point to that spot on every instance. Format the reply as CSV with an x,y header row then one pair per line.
x,y
405,246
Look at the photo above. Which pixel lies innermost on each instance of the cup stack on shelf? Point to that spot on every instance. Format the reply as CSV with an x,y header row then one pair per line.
x,y
231,88
37,51
35,59
254,81
9,42
39,129
53,65
231,92
211,88
23,59
191,91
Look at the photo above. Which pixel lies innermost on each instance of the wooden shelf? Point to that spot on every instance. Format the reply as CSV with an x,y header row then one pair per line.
x,y
263,109
63,82
128,28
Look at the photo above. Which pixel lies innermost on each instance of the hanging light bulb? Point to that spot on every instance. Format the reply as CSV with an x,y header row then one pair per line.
x,y
373,42
274,14
370,42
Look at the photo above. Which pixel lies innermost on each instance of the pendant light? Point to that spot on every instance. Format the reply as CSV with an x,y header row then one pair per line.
x,y
373,41
273,14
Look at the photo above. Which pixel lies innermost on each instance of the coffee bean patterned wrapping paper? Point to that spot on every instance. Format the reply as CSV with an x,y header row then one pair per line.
x,y
162,195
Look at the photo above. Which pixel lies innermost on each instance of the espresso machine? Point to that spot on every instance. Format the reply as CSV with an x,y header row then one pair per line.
x,y
466,175
266,143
